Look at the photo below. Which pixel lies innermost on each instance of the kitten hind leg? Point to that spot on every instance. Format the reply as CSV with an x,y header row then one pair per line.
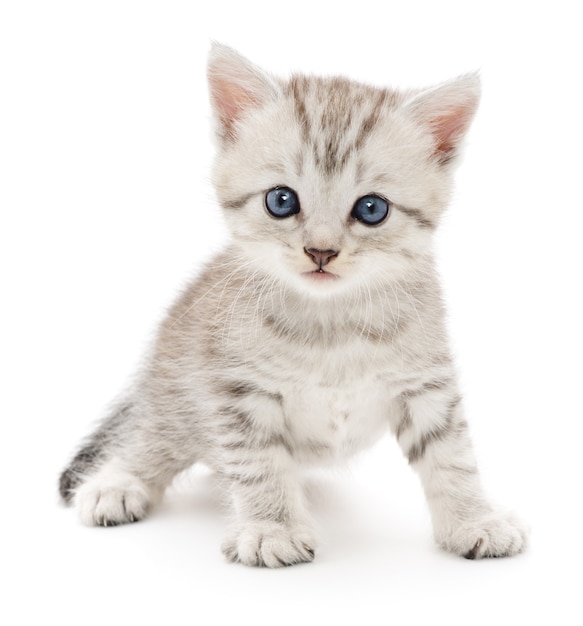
x,y
113,495
433,435
113,479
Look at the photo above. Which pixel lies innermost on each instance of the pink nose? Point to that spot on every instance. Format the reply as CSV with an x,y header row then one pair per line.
x,y
321,257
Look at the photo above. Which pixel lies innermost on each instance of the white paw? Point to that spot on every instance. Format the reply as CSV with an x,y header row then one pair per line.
x,y
494,535
269,544
111,498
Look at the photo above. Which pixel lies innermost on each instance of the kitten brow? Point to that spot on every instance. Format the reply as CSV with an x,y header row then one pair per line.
x,y
417,215
241,201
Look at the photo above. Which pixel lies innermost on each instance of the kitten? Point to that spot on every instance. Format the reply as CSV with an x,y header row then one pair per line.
x,y
316,330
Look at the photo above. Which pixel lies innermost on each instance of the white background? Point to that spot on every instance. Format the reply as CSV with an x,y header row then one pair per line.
x,y
106,209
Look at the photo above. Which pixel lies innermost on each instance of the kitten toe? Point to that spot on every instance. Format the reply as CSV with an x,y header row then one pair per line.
x,y
109,499
496,535
270,545
110,506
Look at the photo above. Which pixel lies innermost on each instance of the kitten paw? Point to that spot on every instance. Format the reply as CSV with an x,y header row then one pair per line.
x,y
496,535
270,545
112,499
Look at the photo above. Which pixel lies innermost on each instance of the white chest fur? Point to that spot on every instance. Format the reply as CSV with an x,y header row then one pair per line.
x,y
331,423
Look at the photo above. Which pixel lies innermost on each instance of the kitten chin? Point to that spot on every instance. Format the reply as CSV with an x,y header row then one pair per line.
x,y
321,285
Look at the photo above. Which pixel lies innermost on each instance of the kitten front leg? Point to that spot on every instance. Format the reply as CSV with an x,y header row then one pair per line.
x,y
271,526
433,434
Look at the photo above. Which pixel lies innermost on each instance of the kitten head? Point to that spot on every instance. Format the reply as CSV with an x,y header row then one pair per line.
x,y
327,183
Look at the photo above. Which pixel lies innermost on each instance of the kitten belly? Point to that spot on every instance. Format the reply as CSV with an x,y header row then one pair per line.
x,y
327,424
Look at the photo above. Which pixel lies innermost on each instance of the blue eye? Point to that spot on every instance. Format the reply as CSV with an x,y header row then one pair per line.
x,y
370,210
282,202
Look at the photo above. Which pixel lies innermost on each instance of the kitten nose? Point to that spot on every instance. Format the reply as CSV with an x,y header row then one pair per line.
x,y
321,257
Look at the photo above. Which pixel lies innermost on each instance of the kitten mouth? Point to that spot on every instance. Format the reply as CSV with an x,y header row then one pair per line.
x,y
320,275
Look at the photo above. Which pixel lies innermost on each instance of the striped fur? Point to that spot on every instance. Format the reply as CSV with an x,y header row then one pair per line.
x,y
263,366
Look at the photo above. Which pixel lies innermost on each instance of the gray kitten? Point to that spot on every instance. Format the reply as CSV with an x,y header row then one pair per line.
x,y
319,327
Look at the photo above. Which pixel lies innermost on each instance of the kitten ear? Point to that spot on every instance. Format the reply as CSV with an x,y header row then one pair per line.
x,y
236,87
448,110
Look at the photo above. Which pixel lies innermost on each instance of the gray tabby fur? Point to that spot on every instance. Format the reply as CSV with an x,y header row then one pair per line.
x,y
266,365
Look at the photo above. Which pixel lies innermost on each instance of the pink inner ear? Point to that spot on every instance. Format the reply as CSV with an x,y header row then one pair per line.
x,y
230,100
449,128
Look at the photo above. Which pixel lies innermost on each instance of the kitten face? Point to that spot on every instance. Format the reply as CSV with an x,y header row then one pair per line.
x,y
307,169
